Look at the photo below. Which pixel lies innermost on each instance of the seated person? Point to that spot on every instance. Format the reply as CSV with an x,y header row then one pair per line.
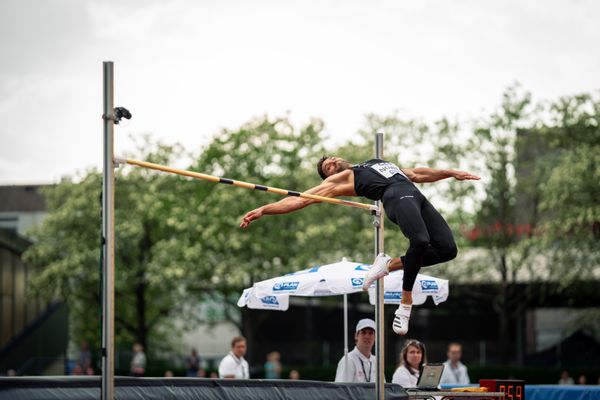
x,y
412,358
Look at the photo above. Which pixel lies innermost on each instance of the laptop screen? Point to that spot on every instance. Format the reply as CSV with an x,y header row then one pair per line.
x,y
431,374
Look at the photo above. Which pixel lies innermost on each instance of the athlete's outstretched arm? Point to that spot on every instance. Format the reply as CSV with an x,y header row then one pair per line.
x,y
290,204
422,175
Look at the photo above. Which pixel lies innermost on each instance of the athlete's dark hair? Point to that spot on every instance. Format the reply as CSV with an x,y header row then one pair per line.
x,y
320,167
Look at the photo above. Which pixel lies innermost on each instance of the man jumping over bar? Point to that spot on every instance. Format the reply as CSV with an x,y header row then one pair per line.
x,y
430,237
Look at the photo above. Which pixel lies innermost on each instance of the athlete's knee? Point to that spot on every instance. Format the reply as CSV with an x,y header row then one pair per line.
x,y
419,243
449,251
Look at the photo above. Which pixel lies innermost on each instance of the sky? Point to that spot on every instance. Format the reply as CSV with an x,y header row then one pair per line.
x,y
188,69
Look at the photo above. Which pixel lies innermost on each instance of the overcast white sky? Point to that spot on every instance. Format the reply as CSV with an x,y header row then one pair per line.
x,y
188,68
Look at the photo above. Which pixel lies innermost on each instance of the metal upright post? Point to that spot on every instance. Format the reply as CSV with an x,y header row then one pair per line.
x,y
108,244
379,315
345,332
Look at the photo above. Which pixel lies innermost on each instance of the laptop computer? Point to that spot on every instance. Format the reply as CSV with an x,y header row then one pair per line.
x,y
430,377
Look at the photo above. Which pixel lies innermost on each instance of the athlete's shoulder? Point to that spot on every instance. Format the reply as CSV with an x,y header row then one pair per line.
x,y
371,162
341,184
340,177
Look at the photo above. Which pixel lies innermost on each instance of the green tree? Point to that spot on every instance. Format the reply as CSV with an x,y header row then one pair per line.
x,y
224,259
539,213
67,251
178,243
412,143
489,149
571,194
495,141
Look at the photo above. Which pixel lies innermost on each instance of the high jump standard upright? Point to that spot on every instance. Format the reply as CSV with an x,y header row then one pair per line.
x,y
108,239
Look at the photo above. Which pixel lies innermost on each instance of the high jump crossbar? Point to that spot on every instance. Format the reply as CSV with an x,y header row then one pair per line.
x,y
216,179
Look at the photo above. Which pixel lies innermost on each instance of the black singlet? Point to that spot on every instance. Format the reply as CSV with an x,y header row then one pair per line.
x,y
429,235
372,177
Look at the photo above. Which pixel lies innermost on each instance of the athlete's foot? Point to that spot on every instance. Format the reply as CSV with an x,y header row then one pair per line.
x,y
401,318
378,270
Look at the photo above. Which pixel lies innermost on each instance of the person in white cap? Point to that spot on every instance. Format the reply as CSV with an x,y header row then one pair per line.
x,y
359,365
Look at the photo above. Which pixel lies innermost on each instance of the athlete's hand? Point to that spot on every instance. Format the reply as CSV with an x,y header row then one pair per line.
x,y
251,216
462,175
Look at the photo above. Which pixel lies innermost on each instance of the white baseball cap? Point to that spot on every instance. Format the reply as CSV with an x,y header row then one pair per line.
x,y
365,323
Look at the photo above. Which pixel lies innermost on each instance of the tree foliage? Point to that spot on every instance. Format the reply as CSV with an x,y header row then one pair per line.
x,y
178,244
534,216
571,195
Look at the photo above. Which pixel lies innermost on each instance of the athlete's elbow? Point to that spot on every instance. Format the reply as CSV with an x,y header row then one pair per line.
x,y
420,179
301,203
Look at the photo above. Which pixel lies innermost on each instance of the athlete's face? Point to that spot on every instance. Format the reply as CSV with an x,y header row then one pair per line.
x,y
334,165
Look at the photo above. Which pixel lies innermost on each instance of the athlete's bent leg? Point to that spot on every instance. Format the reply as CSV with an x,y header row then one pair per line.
x,y
442,246
406,212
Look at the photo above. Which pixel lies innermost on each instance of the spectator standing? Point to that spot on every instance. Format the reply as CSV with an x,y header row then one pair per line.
x,y
412,358
192,363
76,370
582,380
294,375
360,363
273,366
84,360
565,379
138,362
455,372
233,365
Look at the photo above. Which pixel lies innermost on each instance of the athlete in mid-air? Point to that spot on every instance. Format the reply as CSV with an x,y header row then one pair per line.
x,y
430,238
